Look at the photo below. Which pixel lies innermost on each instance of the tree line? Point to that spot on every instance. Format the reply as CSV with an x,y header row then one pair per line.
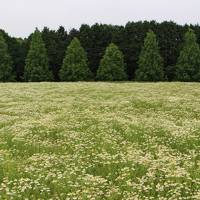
x,y
142,51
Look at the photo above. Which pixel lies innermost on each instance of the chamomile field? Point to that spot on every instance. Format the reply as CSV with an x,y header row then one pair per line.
x,y
95,141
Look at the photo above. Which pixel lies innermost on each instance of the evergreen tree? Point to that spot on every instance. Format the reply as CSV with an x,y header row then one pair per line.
x,y
112,66
170,37
188,65
150,62
100,37
55,43
37,65
75,64
6,71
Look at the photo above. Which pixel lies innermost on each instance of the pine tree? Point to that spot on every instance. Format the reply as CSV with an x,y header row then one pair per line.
x,y
150,62
188,65
6,71
112,66
55,43
75,64
37,65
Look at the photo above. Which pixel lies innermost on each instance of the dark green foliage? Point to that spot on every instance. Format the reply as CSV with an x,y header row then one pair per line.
x,y
188,65
150,62
134,34
6,71
170,37
112,67
37,65
55,43
17,51
170,73
75,64
94,39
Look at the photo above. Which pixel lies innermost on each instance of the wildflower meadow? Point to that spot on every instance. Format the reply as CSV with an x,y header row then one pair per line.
x,y
96,141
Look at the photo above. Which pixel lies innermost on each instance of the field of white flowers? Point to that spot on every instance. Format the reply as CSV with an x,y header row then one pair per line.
x,y
95,141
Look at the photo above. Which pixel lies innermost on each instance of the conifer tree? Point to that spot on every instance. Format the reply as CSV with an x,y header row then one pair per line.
x,y
150,64
112,66
188,65
37,65
75,64
6,71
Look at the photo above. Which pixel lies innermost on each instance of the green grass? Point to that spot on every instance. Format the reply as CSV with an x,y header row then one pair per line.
x,y
99,141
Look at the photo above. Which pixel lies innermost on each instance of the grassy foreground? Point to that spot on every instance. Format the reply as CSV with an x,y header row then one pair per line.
x,y
100,141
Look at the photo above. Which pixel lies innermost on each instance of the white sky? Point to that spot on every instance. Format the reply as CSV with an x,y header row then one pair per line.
x,y
20,17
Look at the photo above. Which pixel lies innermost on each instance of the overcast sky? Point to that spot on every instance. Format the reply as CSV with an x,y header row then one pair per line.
x,y
20,17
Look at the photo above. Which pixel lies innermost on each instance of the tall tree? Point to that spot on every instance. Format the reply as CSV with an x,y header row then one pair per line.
x,y
17,51
170,37
55,43
150,62
188,65
112,66
75,64
37,65
18,54
134,34
94,39
100,37
6,71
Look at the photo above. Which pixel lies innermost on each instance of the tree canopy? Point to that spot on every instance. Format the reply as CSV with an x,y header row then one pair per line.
x,y
75,64
94,40
150,64
112,66
6,70
188,65
37,65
